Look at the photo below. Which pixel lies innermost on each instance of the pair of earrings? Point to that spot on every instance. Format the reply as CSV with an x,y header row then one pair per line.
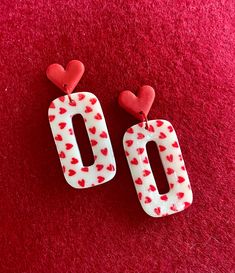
x,y
61,111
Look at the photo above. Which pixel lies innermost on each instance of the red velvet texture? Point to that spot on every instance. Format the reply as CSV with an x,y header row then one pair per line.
x,y
185,50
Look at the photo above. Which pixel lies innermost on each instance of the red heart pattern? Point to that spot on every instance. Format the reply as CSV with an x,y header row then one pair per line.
x,y
81,183
152,188
140,150
179,196
61,111
98,116
74,160
62,125
99,167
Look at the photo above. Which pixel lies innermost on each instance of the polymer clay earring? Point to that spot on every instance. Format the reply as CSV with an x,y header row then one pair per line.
x,y
60,113
163,134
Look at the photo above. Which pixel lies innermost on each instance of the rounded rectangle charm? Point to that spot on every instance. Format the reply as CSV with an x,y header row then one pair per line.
x,y
162,133
60,113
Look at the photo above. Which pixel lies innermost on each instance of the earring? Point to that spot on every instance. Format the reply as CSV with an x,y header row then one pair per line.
x,y
162,133
61,111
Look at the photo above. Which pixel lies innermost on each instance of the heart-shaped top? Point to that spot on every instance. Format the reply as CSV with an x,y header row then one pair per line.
x,y
136,105
66,79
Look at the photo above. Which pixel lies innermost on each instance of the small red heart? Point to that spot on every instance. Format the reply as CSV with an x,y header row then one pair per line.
x,y
62,155
98,116
74,160
85,169
66,79
62,99
104,151
103,135
110,168
81,182
88,109
140,150
51,118
68,146
146,161
129,142
100,179
159,123
71,172
170,129
164,197
81,96
52,105
162,135
99,167
151,129
140,195
157,210
146,172
62,125
58,138
93,101
173,207
175,144
162,148
152,188
181,179
130,130
72,103
138,181
136,104
62,110
93,142
92,130
186,204
140,136
134,161
169,157
170,171
180,195
147,200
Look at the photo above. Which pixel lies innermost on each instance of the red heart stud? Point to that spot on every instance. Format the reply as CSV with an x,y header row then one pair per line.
x,y
66,79
136,104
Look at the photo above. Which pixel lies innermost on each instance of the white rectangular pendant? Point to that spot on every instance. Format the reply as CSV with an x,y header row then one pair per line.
x,y
60,114
162,133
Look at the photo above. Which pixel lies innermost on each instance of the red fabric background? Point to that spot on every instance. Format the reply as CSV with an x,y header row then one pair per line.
x,y
185,50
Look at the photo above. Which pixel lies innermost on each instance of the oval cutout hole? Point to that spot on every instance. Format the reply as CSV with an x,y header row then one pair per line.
x,y
157,168
83,141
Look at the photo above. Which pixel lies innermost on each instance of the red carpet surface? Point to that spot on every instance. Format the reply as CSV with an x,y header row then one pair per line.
x,y
185,50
